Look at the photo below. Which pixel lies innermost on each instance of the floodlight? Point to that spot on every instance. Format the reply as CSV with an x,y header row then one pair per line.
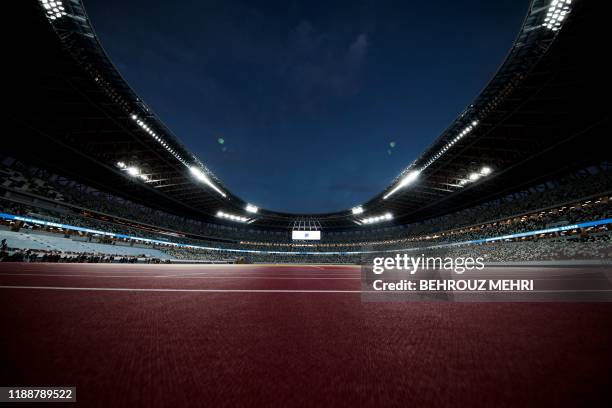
x,y
53,9
133,171
357,210
557,11
485,171
199,174
408,179
251,208
231,217
378,218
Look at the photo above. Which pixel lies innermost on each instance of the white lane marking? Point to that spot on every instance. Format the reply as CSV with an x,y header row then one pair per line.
x,y
176,276
182,274
187,290
68,288
75,275
258,277
188,276
151,273
216,274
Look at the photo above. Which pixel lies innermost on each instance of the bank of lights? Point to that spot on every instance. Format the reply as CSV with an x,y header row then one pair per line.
x,y
144,126
406,180
377,219
231,217
414,174
357,210
195,171
200,176
472,177
133,171
251,208
53,8
557,11
450,144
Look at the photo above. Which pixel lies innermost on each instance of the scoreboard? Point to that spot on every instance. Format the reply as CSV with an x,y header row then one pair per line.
x,y
306,235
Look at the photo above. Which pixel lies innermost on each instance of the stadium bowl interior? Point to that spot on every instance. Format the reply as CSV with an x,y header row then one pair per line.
x,y
192,295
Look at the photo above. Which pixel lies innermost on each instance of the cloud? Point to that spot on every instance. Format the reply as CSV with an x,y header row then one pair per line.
x,y
348,83
304,33
358,50
320,65
351,188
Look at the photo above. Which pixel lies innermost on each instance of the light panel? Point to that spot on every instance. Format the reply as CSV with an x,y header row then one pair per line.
x,y
54,9
144,126
476,175
199,175
556,13
379,218
194,169
357,210
466,130
133,171
407,180
414,174
231,217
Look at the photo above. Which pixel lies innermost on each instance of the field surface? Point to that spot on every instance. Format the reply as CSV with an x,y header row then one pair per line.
x,y
257,335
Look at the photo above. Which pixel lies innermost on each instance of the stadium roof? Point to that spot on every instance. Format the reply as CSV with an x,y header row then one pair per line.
x,y
540,115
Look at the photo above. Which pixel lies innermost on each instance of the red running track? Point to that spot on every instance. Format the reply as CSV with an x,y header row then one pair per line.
x,y
192,335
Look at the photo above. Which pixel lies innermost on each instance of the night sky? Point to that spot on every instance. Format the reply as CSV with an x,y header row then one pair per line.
x,y
307,106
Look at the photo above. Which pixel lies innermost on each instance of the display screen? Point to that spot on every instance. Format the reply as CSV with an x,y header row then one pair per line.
x,y
306,235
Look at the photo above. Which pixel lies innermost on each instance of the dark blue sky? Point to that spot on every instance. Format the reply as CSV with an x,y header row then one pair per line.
x,y
319,104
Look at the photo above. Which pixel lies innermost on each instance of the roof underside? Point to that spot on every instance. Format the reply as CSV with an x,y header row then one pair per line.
x,y
540,115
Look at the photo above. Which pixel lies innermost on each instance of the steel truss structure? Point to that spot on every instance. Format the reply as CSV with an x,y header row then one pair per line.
x,y
542,115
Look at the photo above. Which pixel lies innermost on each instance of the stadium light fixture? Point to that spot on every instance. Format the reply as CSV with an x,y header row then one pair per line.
x,y
405,181
157,138
195,170
357,210
231,217
556,13
451,142
199,175
379,218
251,208
472,177
54,9
133,171
414,174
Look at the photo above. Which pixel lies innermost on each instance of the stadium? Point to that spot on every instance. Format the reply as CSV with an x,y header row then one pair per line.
x,y
130,271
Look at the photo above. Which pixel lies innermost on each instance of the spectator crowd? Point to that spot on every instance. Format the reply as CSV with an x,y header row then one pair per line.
x,y
565,202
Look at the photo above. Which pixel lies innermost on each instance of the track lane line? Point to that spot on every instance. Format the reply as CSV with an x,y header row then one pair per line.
x,y
177,276
72,288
